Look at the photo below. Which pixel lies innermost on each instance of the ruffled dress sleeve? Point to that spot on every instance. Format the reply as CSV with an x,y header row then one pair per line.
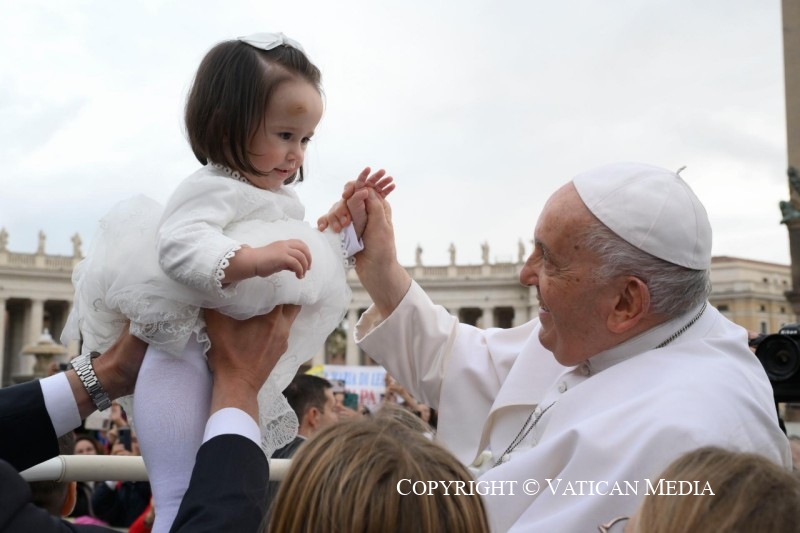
x,y
192,248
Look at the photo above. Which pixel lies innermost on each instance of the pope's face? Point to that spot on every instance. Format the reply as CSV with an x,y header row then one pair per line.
x,y
573,306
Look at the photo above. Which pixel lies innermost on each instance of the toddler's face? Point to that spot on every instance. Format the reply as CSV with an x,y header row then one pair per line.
x,y
278,147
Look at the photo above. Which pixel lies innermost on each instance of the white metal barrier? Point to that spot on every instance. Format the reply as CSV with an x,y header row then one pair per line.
x,y
112,467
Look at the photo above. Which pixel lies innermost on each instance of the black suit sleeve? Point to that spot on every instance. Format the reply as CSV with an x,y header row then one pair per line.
x,y
28,437
18,514
228,489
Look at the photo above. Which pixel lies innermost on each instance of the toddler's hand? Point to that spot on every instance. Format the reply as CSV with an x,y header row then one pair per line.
x,y
292,254
379,181
337,218
357,202
352,206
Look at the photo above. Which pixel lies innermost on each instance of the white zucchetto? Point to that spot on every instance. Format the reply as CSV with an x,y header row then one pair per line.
x,y
651,208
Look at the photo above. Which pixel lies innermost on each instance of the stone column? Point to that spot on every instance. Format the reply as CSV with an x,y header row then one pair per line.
x,y
2,340
35,324
351,356
487,321
791,77
73,346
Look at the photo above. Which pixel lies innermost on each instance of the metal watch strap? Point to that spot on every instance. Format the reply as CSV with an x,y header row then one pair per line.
x,y
83,366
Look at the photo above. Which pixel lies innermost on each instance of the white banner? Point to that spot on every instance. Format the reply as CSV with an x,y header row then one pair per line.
x,y
366,381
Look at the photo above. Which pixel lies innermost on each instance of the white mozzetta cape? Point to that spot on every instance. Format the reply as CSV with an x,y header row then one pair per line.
x,y
620,417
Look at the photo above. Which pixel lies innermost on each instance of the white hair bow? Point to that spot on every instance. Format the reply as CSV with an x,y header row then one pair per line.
x,y
270,40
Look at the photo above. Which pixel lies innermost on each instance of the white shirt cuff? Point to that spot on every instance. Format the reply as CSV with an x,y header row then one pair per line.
x,y
60,403
232,421
352,244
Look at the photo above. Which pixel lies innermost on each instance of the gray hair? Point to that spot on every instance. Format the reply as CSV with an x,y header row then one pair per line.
x,y
674,290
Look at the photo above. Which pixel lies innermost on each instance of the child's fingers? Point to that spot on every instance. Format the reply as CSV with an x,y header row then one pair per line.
x,y
333,218
386,190
385,186
295,266
364,174
375,177
299,250
329,220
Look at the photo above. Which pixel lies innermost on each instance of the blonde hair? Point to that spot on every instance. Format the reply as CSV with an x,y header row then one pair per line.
x,y
345,479
751,493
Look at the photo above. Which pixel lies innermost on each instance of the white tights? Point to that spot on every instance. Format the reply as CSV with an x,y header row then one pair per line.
x,y
171,404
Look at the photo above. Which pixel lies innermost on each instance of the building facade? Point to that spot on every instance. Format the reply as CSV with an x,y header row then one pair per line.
x,y
36,294
752,293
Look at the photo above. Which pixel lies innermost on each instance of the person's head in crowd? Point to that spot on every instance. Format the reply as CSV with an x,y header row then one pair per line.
x,y
607,268
352,477
394,413
311,399
87,445
57,497
125,444
751,493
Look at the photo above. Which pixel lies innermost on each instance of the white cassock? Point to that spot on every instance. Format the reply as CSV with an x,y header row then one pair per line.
x,y
620,417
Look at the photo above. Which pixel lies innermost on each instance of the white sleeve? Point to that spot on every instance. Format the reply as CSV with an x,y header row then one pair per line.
x,y
456,368
232,421
352,244
192,248
60,403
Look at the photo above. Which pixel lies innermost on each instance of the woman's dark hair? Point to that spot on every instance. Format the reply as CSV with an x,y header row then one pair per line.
x,y
229,97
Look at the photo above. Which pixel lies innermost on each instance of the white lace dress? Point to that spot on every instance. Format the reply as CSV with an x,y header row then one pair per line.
x,y
158,267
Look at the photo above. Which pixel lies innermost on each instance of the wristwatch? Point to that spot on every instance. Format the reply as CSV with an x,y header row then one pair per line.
x,y
83,366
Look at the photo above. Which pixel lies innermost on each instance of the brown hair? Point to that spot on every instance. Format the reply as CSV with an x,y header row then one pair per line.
x,y
751,493
306,391
229,97
346,478
51,495
98,448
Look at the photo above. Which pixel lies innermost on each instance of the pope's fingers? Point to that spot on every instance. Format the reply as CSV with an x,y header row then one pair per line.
x,y
363,175
378,206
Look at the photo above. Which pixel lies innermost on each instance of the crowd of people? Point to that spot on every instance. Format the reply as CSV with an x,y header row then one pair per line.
x,y
627,375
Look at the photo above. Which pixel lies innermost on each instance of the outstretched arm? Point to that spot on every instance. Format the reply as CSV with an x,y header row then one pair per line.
x,y
380,273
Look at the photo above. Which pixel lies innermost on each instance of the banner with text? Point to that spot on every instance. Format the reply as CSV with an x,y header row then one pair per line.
x,y
366,381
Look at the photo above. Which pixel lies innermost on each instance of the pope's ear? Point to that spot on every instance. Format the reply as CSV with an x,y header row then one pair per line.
x,y
632,304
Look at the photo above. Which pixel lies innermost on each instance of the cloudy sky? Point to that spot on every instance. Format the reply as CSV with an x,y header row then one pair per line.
x,y
480,109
